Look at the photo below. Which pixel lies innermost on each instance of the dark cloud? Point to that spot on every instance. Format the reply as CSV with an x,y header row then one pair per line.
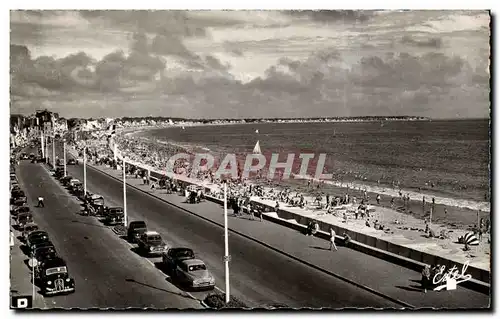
x,y
164,22
434,43
321,85
327,16
171,45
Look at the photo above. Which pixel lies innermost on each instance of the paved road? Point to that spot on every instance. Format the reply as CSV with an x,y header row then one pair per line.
x,y
106,272
259,276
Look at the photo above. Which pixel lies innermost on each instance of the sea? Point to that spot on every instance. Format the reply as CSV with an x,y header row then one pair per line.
x,y
447,158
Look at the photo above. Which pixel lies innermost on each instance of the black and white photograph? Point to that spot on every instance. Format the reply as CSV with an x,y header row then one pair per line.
x,y
265,160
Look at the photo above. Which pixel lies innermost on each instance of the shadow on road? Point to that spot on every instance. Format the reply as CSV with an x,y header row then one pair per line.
x,y
157,288
319,248
410,288
90,224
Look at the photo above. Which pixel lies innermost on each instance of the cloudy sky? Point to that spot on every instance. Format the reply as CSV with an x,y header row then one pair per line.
x,y
213,64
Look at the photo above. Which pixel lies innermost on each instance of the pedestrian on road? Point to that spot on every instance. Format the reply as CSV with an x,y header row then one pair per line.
x,y
378,199
392,203
40,202
332,240
426,277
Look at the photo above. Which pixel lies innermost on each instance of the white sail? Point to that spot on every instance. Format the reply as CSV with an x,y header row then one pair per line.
x,y
256,149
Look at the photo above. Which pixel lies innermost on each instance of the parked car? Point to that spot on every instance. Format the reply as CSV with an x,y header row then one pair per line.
x,y
53,277
151,243
23,219
75,187
44,253
65,180
135,230
114,215
73,182
194,274
36,236
94,204
59,172
18,194
71,161
24,156
173,256
19,210
40,242
28,229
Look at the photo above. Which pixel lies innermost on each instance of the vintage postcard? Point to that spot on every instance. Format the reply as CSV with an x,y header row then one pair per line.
x,y
256,160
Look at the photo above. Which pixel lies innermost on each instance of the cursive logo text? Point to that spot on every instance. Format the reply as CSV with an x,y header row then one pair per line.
x,y
442,276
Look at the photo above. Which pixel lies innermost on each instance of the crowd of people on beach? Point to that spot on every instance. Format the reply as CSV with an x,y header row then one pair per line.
x,y
241,192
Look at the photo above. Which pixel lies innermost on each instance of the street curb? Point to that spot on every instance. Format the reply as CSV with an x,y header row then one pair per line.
x,y
205,305
402,303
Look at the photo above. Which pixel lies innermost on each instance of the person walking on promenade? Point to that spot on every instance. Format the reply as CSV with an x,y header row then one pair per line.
x,y
392,203
250,210
145,180
378,199
40,202
426,277
332,240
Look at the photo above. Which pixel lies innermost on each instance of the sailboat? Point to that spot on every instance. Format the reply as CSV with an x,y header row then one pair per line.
x,y
256,148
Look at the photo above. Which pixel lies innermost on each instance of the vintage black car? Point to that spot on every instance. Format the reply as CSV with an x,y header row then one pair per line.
x,y
44,253
24,156
94,205
71,161
135,230
59,173
173,256
113,215
66,180
53,277
28,229
36,237
18,194
75,186
42,243
23,219
32,156
19,210
150,243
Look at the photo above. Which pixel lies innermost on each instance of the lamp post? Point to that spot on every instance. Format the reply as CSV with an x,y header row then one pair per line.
x,y
124,194
64,156
226,244
85,170
53,151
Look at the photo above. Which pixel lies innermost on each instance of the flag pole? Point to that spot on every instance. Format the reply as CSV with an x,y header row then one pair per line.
x,y
226,244
124,195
